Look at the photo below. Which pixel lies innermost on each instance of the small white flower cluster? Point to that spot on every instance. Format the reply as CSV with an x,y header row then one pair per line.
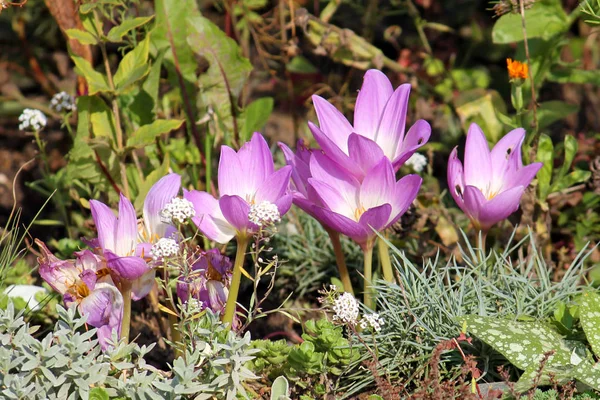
x,y
164,248
346,308
417,161
63,102
194,306
32,119
264,214
178,211
373,321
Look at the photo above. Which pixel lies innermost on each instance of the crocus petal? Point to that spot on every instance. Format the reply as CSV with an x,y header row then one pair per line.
x,y
275,186
103,308
229,172
456,184
334,152
508,149
370,103
236,211
523,176
340,223
417,136
141,286
364,152
284,203
59,274
378,186
217,295
209,218
407,190
129,268
159,195
333,199
375,219
473,203
478,164
393,120
332,122
500,207
299,164
256,162
127,228
324,169
106,224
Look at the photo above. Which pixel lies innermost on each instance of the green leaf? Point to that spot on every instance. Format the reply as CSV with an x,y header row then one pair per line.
x,y
481,106
549,112
569,180
96,81
545,155
150,180
301,65
102,118
98,394
116,33
544,20
145,101
570,150
134,65
280,388
572,75
256,115
589,315
82,36
147,133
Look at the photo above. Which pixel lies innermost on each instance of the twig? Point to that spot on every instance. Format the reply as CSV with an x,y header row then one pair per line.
x,y
106,173
531,82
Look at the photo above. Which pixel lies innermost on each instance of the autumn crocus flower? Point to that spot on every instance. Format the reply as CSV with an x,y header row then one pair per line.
x,y
252,195
378,130
86,282
489,187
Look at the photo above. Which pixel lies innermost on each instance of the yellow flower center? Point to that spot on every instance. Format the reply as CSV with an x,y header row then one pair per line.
x,y
359,211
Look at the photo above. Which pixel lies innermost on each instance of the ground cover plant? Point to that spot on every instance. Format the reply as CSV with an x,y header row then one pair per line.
x,y
299,200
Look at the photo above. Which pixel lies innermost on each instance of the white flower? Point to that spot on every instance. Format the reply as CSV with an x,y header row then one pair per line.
x,y
178,211
264,214
32,119
63,102
194,306
164,248
417,161
346,308
373,321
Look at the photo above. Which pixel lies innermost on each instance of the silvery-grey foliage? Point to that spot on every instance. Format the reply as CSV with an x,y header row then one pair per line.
x,y
67,363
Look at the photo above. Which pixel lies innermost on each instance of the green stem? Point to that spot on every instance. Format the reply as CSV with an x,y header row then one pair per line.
x,y
208,158
126,321
386,262
368,271
240,255
340,260
483,236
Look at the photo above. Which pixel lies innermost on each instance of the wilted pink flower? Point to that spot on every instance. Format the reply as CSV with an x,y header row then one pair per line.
x,y
86,282
490,187
359,209
248,186
378,131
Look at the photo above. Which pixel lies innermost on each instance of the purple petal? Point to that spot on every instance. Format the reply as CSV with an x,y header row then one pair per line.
x,y
417,136
106,224
59,274
104,310
256,162
229,172
508,151
374,94
326,170
523,176
209,218
473,203
340,223
379,185
217,295
141,286
478,164
129,268
374,219
456,184
284,204
334,200
236,211
300,168
407,190
390,133
332,122
500,207
159,195
127,229
275,186
364,152
334,152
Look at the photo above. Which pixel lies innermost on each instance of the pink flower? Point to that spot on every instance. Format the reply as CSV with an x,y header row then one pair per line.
x,y
490,187
378,131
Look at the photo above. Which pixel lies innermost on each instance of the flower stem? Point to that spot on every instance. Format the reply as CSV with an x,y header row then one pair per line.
x,y
341,261
483,236
368,271
126,321
386,262
240,255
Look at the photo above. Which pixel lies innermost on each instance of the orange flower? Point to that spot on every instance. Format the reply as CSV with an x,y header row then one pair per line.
x,y
517,69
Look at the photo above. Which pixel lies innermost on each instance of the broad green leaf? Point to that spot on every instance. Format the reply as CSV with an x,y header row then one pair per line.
x,y
150,180
572,75
589,315
549,112
134,65
147,133
145,101
256,115
81,36
116,34
571,179
480,106
96,81
545,155
98,394
301,65
102,118
570,150
83,118
588,374
545,20
280,388
522,343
